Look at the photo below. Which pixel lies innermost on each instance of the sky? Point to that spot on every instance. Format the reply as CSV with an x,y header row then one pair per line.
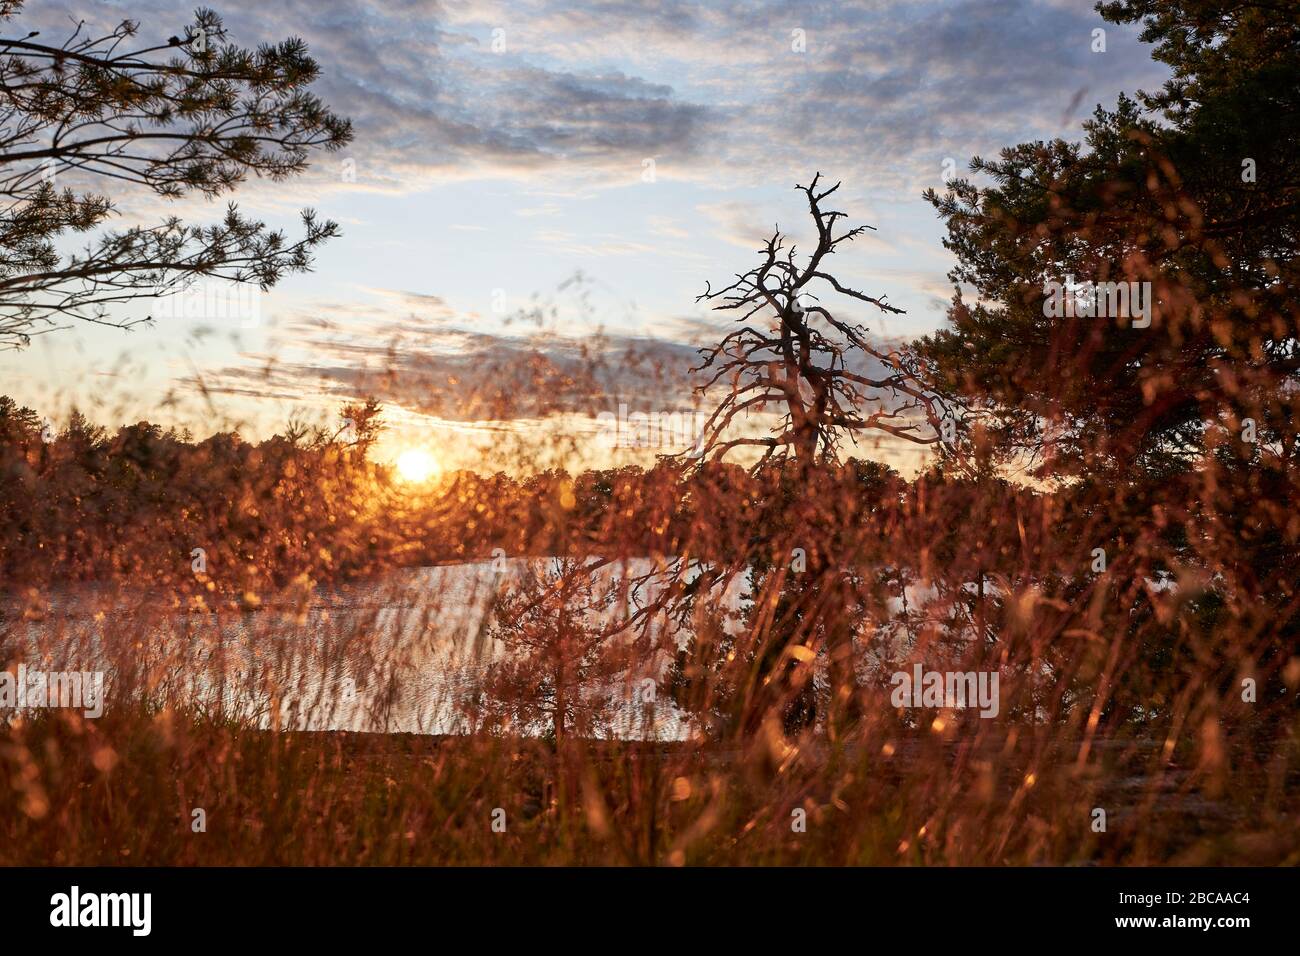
x,y
537,192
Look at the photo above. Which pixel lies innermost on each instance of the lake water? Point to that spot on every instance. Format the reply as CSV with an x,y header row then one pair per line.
x,y
401,654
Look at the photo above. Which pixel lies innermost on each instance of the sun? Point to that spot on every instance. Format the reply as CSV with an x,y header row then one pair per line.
x,y
415,465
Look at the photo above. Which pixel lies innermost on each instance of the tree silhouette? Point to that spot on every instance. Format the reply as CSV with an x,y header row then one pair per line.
x,y
194,114
1194,189
800,356
1181,428
830,381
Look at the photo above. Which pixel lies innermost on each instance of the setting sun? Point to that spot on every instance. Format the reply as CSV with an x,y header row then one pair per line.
x,y
415,465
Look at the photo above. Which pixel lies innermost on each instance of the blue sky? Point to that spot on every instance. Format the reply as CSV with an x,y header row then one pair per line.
x,y
503,148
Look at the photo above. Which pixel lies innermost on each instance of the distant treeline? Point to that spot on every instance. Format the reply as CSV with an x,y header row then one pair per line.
x,y
80,503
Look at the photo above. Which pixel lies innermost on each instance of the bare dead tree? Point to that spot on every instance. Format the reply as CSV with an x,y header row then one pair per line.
x,y
829,381
191,114
793,352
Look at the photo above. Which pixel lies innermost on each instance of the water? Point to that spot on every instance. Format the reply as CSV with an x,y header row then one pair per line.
x,y
402,654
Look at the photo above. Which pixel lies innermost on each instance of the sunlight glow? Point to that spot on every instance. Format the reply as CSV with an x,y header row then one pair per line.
x,y
416,465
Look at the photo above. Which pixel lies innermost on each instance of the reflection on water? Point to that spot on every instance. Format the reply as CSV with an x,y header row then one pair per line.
x,y
400,655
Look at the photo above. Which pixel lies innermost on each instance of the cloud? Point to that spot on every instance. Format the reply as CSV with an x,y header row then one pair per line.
x,y
410,350
737,222
881,93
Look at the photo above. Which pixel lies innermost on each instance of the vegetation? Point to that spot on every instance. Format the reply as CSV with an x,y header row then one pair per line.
x,y
194,115
693,663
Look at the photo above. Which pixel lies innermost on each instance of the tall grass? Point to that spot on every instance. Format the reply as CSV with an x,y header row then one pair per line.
x,y
321,705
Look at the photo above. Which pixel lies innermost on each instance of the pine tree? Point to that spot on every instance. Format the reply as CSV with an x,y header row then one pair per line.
x,y
192,114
